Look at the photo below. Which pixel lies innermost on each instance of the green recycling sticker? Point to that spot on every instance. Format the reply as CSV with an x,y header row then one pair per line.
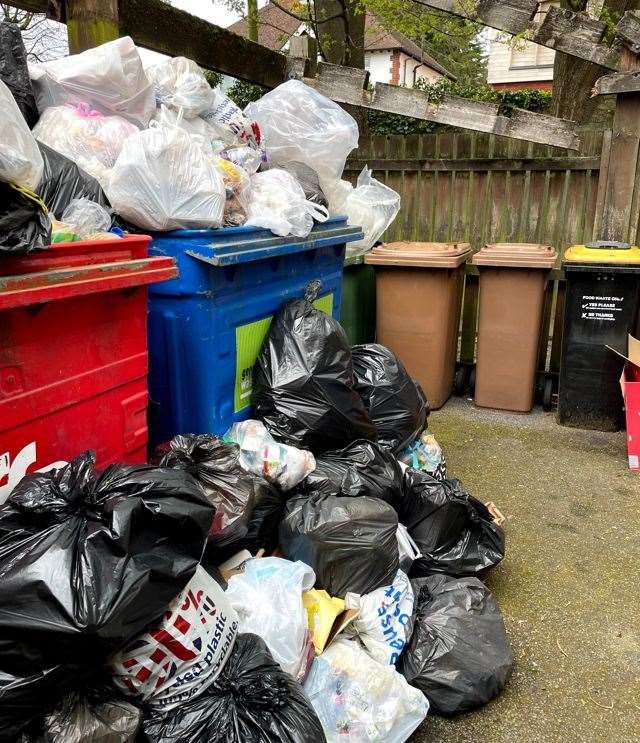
x,y
249,340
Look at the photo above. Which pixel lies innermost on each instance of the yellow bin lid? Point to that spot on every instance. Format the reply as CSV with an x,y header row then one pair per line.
x,y
603,251
420,254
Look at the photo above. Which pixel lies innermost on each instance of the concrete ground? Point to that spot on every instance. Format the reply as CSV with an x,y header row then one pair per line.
x,y
569,586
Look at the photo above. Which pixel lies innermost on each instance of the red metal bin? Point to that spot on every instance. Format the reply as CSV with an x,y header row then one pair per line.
x,y
73,354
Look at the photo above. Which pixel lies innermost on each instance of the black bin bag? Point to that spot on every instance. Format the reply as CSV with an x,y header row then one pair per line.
x,y
63,181
303,381
252,701
351,543
24,223
14,72
458,654
454,531
396,403
248,509
362,468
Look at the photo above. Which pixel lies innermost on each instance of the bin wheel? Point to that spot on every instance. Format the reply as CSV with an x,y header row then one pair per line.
x,y
459,381
547,395
472,381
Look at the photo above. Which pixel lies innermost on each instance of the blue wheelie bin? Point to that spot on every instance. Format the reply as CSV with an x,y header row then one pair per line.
x,y
206,328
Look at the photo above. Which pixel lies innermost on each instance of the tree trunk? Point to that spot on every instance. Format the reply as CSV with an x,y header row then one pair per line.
x,y
253,19
573,78
342,38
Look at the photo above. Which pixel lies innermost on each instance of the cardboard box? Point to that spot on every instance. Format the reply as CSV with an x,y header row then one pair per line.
x,y
630,384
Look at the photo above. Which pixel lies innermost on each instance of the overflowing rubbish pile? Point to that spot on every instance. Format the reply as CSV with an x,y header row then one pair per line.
x,y
310,574
293,580
159,149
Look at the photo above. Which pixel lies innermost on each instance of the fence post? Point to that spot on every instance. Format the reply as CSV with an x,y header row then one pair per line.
x,y
91,23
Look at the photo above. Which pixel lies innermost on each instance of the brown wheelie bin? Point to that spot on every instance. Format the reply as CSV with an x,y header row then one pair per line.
x,y
513,277
419,292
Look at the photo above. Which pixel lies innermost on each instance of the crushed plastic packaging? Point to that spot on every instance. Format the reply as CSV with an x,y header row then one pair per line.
x,y
25,225
361,468
359,700
238,188
109,77
371,205
396,403
14,72
458,654
229,122
248,509
63,181
164,180
20,159
175,660
248,158
425,454
322,611
300,125
253,699
93,141
407,548
350,543
385,619
277,202
303,380
179,83
267,596
86,218
93,716
260,454
454,531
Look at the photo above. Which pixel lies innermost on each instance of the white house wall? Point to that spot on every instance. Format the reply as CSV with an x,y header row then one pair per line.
x,y
379,66
526,62
407,66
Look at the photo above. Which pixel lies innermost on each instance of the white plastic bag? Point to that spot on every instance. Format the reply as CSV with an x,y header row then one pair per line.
x,y
93,141
20,159
370,205
109,77
180,657
164,179
228,121
383,624
267,597
196,127
261,454
359,700
179,83
277,203
298,124
86,218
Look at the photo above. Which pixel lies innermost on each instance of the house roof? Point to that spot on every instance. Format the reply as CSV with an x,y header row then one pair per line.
x,y
276,27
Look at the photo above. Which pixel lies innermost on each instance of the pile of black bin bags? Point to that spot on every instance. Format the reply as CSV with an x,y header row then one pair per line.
x,y
116,622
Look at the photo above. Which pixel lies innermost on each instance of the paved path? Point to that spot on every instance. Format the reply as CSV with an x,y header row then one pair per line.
x,y
570,584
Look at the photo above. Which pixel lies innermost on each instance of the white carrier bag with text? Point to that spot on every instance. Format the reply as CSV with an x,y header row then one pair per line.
x,y
185,652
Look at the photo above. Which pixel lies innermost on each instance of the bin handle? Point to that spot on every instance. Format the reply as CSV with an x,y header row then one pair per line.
x,y
608,245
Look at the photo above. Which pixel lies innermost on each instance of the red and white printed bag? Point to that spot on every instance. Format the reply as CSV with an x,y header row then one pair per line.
x,y
179,658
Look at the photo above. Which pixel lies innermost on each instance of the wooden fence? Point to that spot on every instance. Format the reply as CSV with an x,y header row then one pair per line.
x,y
483,188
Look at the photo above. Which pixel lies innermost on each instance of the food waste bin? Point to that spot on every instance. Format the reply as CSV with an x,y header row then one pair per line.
x,y
513,278
601,309
207,328
418,295
73,354
358,310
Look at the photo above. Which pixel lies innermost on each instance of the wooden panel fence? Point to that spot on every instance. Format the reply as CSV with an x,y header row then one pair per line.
x,y
481,188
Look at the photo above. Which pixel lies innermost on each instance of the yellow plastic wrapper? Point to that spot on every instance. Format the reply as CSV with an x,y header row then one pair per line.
x,y
322,611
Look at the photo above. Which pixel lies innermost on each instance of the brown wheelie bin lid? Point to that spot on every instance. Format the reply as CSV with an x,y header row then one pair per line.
x,y
420,254
516,255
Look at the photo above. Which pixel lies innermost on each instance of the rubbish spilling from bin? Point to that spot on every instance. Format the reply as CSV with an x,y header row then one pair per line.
x,y
295,564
